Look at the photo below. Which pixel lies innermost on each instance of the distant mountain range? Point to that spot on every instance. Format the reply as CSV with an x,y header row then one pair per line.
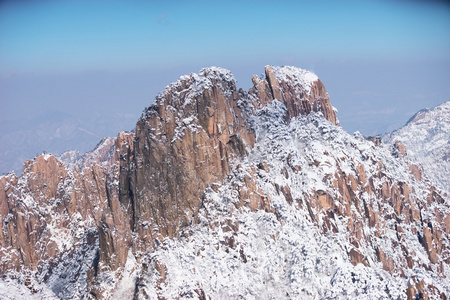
x,y
54,132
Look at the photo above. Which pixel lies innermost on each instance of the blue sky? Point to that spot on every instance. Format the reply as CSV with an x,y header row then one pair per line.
x,y
62,36
380,61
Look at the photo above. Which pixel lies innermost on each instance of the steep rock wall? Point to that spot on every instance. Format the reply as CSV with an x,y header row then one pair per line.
x,y
192,134
132,192
51,213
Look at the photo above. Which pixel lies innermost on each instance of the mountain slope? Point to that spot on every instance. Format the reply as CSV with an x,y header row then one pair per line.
x,y
310,236
427,140
223,193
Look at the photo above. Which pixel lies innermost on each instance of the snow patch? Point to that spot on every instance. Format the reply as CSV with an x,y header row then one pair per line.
x,y
300,77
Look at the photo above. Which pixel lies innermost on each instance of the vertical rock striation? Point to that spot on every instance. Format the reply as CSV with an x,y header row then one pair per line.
x,y
192,134
299,90
51,215
186,140
84,220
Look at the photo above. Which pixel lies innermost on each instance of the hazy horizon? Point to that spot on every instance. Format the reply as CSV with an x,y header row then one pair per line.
x,y
87,69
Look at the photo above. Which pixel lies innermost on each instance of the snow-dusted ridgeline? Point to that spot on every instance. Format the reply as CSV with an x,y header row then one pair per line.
x,y
286,255
309,212
427,140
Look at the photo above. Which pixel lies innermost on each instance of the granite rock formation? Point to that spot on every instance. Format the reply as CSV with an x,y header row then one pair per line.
x,y
192,134
51,213
217,181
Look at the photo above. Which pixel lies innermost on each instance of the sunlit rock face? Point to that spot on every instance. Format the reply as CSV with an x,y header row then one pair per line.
x,y
222,193
185,141
59,220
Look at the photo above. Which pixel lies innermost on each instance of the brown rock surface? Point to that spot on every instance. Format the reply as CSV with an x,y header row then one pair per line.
x,y
133,191
376,140
400,149
428,244
49,211
179,152
414,169
300,91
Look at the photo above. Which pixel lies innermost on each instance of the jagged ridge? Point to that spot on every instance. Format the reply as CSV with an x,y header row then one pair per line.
x,y
426,137
208,167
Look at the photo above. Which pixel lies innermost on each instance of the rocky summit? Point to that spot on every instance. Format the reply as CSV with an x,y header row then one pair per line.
x,y
222,193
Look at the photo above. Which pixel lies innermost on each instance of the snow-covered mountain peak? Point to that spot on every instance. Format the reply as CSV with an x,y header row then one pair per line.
x,y
182,94
226,194
311,213
427,139
296,76
217,73
437,113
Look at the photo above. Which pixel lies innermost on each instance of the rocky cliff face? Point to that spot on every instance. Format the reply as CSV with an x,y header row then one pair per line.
x,y
192,134
224,193
53,218
299,90
186,140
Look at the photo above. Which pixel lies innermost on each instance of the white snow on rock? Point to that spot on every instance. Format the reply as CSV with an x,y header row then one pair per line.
x,y
285,255
127,284
74,158
297,76
427,140
279,254
15,289
190,86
